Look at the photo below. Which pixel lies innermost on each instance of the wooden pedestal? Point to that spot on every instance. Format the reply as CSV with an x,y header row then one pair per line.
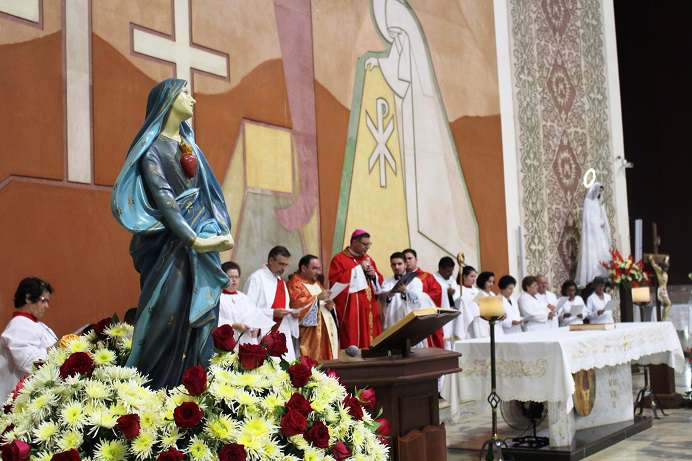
x,y
663,385
406,389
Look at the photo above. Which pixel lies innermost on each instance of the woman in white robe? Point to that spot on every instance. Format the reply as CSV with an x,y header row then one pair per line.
x,y
466,302
534,311
481,327
595,244
570,307
26,339
513,321
597,303
238,311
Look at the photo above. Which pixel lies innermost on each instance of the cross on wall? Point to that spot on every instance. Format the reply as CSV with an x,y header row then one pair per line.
x,y
178,47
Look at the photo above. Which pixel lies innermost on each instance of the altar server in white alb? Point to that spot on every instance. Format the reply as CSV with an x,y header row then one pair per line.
x,y
236,309
26,339
570,306
267,290
451,293
532,309
513,320
470,312
548,297
401,293
597,304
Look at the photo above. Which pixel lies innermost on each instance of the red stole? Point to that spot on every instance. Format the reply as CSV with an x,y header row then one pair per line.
x,y
279,298
31,317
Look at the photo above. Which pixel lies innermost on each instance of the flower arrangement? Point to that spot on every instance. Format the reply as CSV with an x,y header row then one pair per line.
x,y
626,270
251,404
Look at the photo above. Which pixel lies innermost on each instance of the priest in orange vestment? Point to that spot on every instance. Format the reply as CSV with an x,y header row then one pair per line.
x,y
354,276
318,334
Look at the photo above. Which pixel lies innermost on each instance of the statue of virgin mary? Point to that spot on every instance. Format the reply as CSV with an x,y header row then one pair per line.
x,y
594,248
167,196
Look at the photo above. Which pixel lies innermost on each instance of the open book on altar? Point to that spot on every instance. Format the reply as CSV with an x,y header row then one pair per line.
x,y
410,330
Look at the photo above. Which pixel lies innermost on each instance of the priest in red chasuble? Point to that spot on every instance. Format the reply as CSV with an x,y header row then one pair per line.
x,y
432,288
354,276
318,334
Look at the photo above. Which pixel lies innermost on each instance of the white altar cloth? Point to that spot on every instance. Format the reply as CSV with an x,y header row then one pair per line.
x,y
538,366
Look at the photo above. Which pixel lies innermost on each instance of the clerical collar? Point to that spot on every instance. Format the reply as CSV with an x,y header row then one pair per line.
x,y
28,315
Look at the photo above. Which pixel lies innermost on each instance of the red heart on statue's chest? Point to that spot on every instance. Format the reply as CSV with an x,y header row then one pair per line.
x,y
188,161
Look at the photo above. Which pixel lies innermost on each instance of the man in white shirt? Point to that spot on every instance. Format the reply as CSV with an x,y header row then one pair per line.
x,y
451,292
548,297
267,290
401,293
26,339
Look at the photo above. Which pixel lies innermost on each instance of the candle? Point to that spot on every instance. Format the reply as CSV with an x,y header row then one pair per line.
x,y
641,295
491,306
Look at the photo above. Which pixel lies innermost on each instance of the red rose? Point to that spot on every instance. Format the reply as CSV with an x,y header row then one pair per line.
x,y
77,363
16,451
275,342
353,406
252,355
300,374
383,430
69,455
232,452
188,415
101,326
308,361
129,426
318,435
300,404
293,423
224,338
195,380
340,451
172,454
367,398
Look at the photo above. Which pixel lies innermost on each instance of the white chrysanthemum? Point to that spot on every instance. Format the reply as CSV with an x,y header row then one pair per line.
x,y
104,357
46,431
40,406
120,330
254,432
143,445
73,415
113,373
223,391
199,451
42,456
102,417
79,344
125,344
221,428
96,390
70,440
313,454
299,442
170,437
247,399
290,458
114,450
224,359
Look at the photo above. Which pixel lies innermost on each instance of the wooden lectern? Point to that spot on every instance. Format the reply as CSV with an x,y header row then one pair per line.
x,y
405,383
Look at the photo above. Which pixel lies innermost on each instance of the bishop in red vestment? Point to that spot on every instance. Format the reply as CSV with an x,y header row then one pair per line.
x,y
432,288
356,305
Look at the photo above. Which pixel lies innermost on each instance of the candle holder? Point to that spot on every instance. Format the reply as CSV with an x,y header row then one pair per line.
x,y
492,310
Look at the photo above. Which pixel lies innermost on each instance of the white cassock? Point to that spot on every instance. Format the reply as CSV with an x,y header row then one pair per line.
x,y
260,288
452,330
594,304
549,298
595,244
480,326
573,307
534,311
432,172
23,342
398,306
237,308
511,314
469,310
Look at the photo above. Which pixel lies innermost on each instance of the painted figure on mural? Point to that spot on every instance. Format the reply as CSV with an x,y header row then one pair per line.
x,y
595,245
435,188
168,197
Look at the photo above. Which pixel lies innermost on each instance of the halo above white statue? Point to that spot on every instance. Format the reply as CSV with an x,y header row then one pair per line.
x,y
589,178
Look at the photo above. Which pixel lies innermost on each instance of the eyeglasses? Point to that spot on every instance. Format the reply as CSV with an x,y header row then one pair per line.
x,y
43,299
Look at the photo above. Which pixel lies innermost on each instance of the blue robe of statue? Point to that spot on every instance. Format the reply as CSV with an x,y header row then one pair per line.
x,y
166,211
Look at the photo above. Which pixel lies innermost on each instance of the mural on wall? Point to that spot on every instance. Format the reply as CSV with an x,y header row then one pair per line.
x,y
401,80
561,106
408,174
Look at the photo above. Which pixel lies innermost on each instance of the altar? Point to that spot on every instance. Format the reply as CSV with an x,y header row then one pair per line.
x,y
538,366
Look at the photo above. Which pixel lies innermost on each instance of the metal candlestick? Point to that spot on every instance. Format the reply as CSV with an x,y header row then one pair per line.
x,y
493,446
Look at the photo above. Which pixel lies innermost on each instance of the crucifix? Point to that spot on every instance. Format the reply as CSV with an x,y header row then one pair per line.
x,y
660,264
